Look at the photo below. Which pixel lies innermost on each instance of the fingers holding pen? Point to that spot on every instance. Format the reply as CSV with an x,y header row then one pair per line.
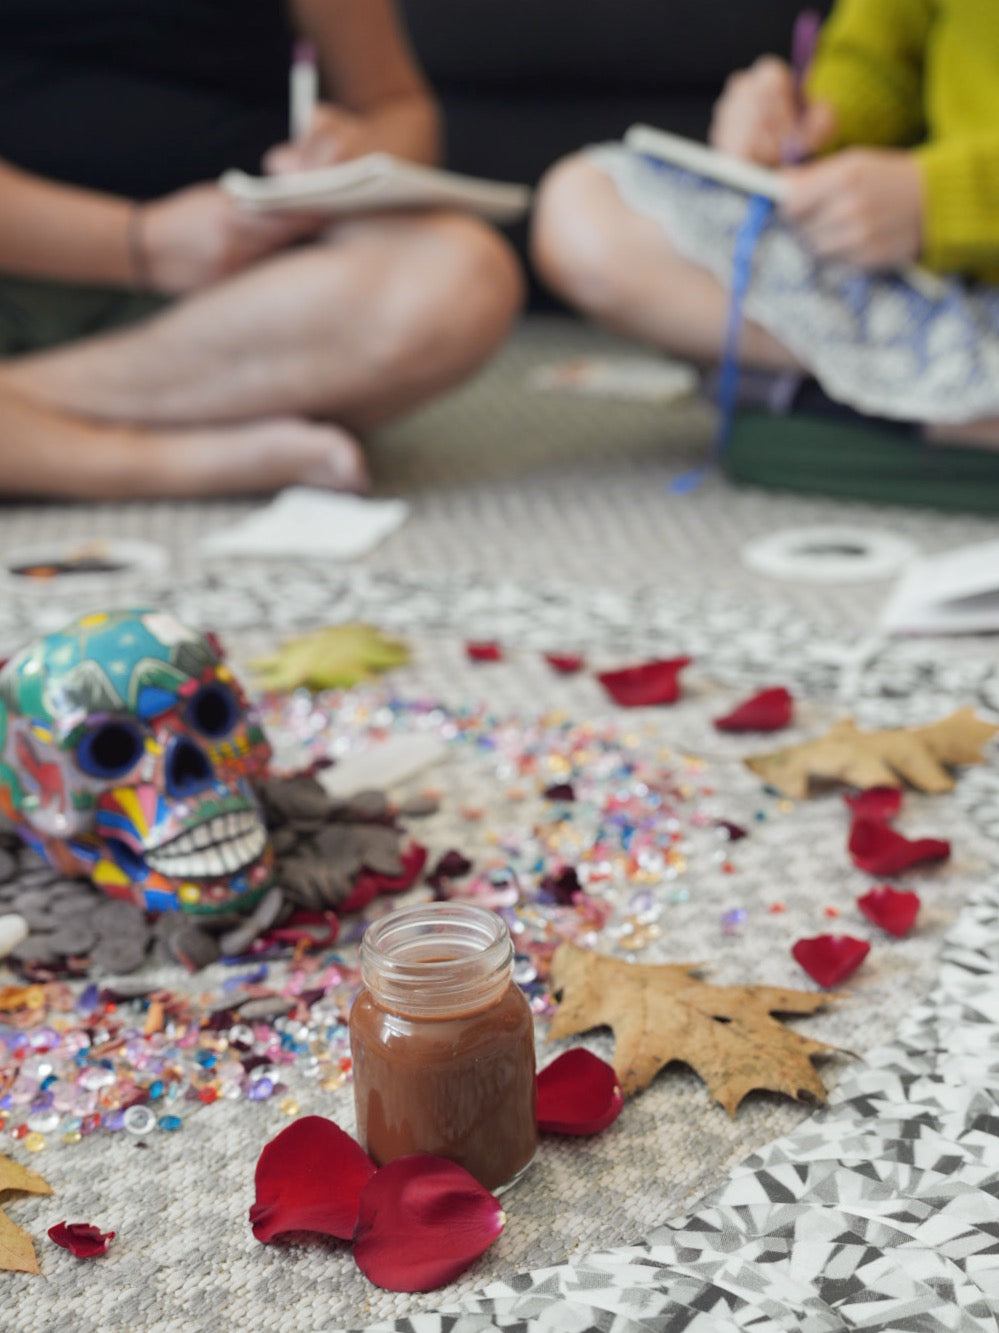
x,y
756,112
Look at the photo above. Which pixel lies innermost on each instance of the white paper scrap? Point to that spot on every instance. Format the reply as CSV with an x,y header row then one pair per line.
x,y
302,521
389,762
951,592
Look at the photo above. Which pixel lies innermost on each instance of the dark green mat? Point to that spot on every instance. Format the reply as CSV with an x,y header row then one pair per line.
x,y
859,461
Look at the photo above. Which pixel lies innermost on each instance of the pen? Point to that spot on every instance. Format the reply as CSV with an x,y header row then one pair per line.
x,y
804,40
303,88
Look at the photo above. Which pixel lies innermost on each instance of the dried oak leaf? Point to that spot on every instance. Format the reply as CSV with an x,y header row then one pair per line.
x,y
17,1253
663,1012
919,756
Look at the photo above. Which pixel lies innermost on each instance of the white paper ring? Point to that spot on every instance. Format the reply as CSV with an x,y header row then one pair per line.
x,y
829,554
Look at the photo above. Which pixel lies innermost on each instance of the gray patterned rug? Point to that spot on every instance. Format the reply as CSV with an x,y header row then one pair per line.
x,y
547,525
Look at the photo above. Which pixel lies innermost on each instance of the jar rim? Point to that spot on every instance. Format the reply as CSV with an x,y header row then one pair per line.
x,y
400,969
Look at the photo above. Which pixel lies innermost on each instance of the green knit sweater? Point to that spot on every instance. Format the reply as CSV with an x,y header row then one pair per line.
x,y
925,74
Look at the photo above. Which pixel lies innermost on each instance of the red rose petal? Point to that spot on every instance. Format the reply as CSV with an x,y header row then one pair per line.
x,y
879,803
578,1093
484,652
317,929
82,1239
561,886
368,883
830,959
566,664
894,910
560,791
651,683
767,711
310,1178
451,865
422,1221
734,832
879,850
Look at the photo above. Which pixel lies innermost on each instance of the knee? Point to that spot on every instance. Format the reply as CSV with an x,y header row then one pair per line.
x,y
574,240
480,284
447,299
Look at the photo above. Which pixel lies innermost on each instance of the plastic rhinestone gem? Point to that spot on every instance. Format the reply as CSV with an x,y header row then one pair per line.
x,y
44,1121
139,1120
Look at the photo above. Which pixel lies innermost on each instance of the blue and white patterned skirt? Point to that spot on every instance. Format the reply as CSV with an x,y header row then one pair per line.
x,y
884,345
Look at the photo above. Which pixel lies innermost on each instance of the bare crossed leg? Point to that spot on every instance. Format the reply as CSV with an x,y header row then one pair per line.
x,y
234,387
619,268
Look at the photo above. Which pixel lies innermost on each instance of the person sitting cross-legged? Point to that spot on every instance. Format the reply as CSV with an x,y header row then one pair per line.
x,y
875,287
157,340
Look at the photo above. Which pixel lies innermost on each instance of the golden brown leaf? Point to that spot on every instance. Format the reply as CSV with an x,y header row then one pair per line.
x,y
17,1253
13,998
663,1012
919,756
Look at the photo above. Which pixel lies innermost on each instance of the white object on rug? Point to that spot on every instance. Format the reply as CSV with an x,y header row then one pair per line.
x,y
301,521
640,379
829,554
955,592
385,765
13,930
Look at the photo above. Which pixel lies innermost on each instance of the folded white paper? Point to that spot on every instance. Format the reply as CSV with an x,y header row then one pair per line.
x,y
301,521
956,592
385,765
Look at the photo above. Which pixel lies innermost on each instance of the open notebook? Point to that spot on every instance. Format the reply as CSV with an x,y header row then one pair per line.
x,y
376,182
744,176
705,161
953,592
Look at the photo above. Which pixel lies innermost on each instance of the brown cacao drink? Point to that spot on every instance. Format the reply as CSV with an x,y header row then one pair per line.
x,y
442,1041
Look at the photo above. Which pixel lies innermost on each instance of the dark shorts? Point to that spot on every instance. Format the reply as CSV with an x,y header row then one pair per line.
x,y
36,314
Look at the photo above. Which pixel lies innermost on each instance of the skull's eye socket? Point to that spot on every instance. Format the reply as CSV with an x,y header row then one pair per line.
x,y
213,711
110,749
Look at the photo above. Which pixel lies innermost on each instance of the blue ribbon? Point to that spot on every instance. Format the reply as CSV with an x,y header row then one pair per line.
x,y
747,238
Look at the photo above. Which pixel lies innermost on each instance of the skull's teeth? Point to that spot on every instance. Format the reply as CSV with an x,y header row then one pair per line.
x,y
219,846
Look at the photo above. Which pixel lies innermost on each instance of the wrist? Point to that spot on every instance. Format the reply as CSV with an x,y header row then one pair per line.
x,y
136,244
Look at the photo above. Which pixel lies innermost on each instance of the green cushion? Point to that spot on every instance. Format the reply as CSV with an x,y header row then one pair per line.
x,y
860,461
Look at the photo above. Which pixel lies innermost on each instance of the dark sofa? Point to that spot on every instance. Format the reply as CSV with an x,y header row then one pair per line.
x,y
523,82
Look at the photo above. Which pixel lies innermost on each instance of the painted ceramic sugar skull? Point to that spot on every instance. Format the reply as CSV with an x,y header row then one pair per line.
x,y
126,752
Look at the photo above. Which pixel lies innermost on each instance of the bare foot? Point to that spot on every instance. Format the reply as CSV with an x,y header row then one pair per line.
x,y
257,456
970,435
46,453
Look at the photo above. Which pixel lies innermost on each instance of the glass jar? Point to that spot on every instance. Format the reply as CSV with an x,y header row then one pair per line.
x,y
442,1041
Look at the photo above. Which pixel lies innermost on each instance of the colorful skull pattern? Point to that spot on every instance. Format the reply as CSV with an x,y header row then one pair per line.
x,y
126,753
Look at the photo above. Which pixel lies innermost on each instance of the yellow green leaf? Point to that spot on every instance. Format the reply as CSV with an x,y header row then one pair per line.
x,y
337,657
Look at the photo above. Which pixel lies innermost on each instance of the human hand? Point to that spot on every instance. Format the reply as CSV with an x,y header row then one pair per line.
x,y
759,116
334,135
864,206
198,235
